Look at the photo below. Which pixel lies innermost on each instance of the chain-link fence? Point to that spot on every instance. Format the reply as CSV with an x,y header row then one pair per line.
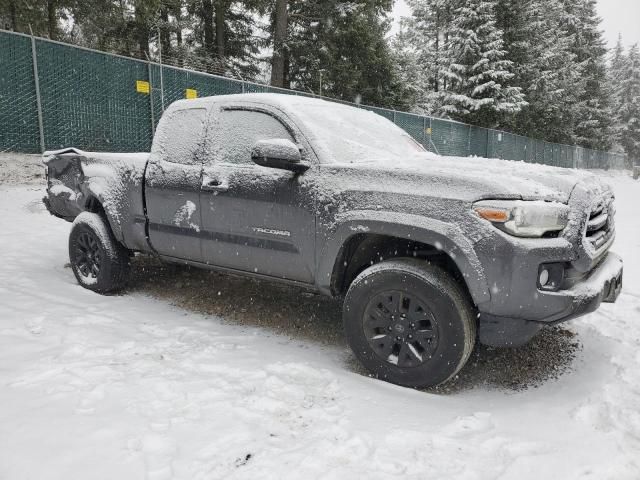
x,y
54,95
18,108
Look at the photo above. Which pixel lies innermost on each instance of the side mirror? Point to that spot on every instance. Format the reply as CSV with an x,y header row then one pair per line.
x,y
278,153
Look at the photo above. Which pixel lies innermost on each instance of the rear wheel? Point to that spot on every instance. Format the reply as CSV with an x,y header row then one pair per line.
x,y
99,262
409,322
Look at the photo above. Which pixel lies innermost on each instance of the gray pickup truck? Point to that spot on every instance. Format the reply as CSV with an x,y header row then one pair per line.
x,y
428,253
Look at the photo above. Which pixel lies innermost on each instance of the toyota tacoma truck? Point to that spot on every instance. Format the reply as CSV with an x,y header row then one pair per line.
x,y
428,254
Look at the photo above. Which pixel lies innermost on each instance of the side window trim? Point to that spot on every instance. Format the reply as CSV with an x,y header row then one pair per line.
x,y
243,108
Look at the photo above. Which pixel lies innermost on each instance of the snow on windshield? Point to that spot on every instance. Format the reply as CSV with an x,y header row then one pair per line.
x,y
351,135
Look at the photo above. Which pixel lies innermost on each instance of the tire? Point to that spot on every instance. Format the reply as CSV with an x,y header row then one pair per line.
x,y
409,323
99,262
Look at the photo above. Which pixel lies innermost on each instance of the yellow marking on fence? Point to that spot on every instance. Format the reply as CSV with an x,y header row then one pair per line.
x,y
190,93
142,86
427,130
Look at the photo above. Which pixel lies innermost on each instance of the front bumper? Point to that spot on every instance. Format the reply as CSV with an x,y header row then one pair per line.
x,y
602,284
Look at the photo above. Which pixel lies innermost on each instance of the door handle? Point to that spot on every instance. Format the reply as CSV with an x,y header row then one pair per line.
x,y
214,185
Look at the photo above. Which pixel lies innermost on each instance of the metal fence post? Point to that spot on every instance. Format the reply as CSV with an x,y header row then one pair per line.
x,y
149,75
161,77
489,137
36,78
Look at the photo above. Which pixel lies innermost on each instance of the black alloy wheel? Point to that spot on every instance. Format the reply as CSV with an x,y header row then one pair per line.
x,y
88,255
400,328
99,262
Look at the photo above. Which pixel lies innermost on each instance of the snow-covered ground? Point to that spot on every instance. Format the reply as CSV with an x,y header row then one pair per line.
x,y
143,385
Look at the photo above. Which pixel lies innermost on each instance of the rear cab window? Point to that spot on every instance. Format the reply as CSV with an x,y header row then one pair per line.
x,y
180,135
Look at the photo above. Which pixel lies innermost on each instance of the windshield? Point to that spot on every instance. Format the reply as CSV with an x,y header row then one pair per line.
x,y
352,135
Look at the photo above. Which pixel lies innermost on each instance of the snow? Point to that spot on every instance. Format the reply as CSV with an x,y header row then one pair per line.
x,y
58,188
346,134
131,386
97,224
184,214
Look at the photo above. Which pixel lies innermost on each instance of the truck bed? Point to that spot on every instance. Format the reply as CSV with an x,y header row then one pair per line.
x,y
79,180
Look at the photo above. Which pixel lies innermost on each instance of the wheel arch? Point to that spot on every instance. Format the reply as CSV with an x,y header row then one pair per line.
x,y
360,242
94,202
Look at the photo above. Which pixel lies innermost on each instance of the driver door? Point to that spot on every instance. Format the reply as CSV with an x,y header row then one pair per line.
x,y
256,219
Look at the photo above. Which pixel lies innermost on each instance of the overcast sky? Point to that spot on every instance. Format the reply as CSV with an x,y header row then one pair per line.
x,y
618,16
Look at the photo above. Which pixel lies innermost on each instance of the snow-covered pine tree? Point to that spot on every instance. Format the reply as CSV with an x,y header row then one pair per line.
x,y
477,78
420,47
544,67
343,45
617,71
629,108
409,71
593,124
618,63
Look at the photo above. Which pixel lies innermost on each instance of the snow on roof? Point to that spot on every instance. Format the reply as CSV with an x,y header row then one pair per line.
x,y
281,100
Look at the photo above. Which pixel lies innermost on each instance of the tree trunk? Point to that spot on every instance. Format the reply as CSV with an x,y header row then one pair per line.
x,y
178,15
279,37
286,81
436,80
14,15
142,32
52,20
165,33
207,19
220,27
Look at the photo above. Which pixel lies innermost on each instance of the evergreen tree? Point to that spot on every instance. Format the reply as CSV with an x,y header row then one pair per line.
x,y
477,79
410,74
226,31
544,67
593,126
618,64
342,47
43,17
629,109
123,27
419,52
617,72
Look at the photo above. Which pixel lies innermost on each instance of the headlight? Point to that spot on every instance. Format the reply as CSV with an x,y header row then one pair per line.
x,y
524,218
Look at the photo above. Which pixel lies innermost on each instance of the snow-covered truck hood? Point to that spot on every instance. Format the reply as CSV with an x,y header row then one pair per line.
x,y
467,179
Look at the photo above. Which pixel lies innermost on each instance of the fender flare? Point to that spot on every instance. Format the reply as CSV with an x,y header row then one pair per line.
x,y
447,237
95,190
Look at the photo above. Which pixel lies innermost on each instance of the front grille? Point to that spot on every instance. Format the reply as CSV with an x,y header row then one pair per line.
x,y
601,225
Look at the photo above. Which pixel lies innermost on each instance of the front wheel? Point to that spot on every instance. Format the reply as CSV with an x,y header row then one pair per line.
x,y
409,323
99,262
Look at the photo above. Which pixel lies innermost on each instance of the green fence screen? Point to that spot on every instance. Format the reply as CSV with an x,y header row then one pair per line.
x,y
99,101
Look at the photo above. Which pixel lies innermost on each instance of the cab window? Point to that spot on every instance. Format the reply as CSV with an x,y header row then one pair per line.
x,y
180,135
238,130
